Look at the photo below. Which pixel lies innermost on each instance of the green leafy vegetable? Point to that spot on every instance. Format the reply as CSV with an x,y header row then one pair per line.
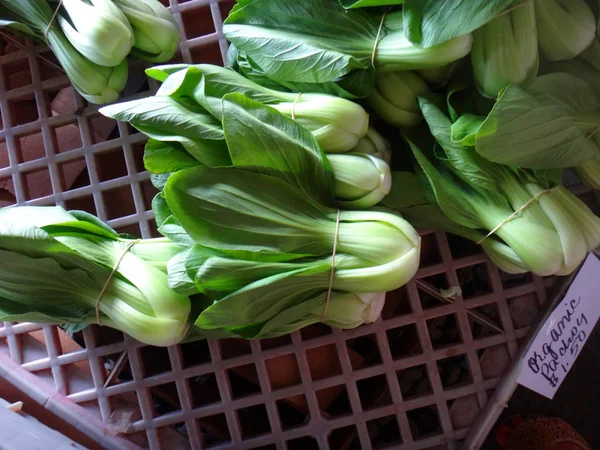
x,y
473,197
98,30
336,123
264,231
57,264
97,84
315,41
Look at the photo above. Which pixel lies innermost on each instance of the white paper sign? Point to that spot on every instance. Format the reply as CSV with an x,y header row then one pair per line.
x,y
563,335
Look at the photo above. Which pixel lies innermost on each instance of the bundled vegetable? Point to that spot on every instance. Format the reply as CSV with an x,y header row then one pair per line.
x,y
91,39
33,18
100,31
524,220
265,230
188,110
336,123
57,269
317,41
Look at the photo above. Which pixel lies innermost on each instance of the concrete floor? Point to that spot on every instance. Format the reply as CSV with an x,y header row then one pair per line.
x,y
577,400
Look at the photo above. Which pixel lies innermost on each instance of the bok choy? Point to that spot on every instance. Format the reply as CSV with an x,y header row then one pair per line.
x,y
187,113
263,231
317,41
93,38
98,30
336,123
56,268
523,219
97,84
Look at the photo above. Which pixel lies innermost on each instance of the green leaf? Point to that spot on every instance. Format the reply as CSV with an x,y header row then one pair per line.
x,y
245,211
407,190
166,157
260,301
356,84
453,201
33,14
208,84
315,40
261,139
466,163
161,210
543,124
167,119
349,4
159,181
173,230
219,81
20,230
548,178
19,28
217,276
431,22
87,217
462,97
581,68
168,225
25,280
464,130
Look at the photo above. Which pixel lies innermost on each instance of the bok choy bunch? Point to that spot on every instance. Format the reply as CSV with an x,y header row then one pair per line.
x,y
97,84
92,38
56,268
193,94
186,115
336,123
317,41
524,220
98,30
263,233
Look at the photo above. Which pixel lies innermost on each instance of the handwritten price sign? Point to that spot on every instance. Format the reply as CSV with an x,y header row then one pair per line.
x,y
564,333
